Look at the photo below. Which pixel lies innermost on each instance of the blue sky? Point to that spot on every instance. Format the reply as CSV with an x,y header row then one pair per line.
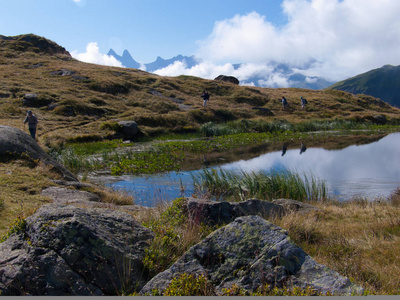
x,y
146,28
333,39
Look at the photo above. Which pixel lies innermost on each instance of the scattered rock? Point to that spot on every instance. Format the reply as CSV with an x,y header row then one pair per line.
x,y
128,129
230,79
62,195
15,143
251,252
379,119
32,100
63,72
264,111
4,95
213,212
74,251
295,206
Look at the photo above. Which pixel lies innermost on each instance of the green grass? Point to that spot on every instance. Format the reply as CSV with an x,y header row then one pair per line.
x,y
239,186
211,129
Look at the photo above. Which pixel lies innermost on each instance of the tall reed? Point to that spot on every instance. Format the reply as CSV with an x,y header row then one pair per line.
x,y
238,186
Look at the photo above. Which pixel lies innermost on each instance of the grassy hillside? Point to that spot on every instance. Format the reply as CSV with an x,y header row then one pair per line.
x,y
382,83
80,101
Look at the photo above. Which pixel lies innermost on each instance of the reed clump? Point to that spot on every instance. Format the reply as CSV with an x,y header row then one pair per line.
x,y
230,185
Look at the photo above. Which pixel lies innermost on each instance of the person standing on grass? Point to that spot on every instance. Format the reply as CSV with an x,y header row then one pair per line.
x,y
32,123
206,97
284,103
303,102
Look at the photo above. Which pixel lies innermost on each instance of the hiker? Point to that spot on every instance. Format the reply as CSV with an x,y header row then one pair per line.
x,y
206,97
284,103
303,102
32,123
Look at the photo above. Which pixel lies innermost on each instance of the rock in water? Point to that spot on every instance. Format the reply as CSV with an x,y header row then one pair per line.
x,y
251,252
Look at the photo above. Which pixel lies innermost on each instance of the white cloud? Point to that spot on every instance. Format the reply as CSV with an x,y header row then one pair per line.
x,y
93,55
332,39
344,38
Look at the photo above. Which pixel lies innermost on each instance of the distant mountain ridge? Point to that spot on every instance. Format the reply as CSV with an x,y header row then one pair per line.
x,y
383,83
293,78
128,62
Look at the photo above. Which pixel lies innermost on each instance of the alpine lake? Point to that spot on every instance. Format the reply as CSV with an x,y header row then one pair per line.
x,y
359,166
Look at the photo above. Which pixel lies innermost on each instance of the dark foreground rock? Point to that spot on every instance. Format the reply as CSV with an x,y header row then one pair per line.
x,y
66,250
251,252
213,212
16,143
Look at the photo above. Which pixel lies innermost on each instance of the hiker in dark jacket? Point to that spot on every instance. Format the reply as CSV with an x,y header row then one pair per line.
x,y
32,123
206,97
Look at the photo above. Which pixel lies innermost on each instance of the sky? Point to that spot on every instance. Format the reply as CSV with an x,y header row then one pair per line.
x,y
332,39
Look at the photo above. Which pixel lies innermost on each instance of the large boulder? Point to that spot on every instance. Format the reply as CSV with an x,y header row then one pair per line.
x,y
249,253
32,100
225,78
14,142
66,250
128,129
214,212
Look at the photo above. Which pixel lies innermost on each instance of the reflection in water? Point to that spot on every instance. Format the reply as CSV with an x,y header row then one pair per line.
x,y
370,171
303,148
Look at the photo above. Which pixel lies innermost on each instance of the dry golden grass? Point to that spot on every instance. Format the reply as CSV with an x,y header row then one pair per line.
x,y
358,239
20,188
95,94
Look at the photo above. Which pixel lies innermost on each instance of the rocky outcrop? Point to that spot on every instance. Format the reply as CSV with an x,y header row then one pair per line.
x,y
66,250
16,143
230,79
251,252
213,212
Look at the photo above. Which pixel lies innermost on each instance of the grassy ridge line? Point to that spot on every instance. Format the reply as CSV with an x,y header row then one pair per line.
x,y
78,99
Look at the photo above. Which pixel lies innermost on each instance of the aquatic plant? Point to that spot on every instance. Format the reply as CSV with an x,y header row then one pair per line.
x,y
239,186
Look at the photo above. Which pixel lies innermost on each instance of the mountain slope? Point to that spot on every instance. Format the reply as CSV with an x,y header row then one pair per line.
x,y
383,83
76,101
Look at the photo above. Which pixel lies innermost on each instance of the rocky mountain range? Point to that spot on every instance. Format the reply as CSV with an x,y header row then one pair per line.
x,y
286,72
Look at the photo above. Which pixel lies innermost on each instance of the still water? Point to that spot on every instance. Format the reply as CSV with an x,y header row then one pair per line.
x,y
369,171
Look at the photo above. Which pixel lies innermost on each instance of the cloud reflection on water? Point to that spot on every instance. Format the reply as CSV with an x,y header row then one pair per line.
x,y
363,170
370,171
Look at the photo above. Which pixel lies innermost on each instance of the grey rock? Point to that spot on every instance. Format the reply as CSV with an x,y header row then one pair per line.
x,y
16,143
213,212
225,78
74,251
62,195
295,206
129,129
28,270
264,111
251,252
32,100
4,95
